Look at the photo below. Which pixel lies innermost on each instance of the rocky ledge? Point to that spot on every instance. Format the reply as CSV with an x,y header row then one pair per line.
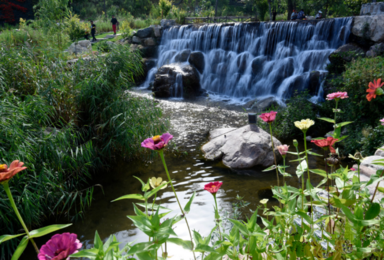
x,y
241,148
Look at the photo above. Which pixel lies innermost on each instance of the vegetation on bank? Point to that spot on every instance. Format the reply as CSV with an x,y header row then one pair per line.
x,y
65,122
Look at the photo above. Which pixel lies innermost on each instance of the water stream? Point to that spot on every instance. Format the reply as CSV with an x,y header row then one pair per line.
x,y
191,123
248,60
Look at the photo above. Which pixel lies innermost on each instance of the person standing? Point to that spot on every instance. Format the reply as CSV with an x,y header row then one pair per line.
x,y
93,31
319,15
293,15
114,23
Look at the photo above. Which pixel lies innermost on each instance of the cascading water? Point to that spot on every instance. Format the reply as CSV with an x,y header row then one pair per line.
x,y
251,60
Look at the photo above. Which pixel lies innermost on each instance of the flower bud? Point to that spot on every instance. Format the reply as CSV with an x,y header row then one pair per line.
x,y
295,143
379,91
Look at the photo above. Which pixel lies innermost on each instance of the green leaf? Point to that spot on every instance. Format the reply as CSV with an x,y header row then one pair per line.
x,y
204,248
97,242
139,248
46,230
20,248
130,196
319,172
327,119
4,238
144,186
338,125
187,207
305,216
373,211
315,154
186,244
271,168
155,206
89,253
149,194
243,229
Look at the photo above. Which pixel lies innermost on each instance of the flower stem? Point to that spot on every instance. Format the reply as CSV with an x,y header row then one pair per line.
x,y
274,156
178,202
153,203
284,169
309,177
377,186
9,194
302,189
217,213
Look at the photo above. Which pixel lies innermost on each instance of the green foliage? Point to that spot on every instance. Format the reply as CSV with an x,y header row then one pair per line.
x,y
373,138
165,6
74,28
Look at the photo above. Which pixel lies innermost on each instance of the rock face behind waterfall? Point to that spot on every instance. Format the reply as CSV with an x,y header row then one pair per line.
x,y
166,84
241,148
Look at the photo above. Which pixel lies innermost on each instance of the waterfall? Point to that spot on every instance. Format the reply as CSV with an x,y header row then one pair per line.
x,y
178,86
244,61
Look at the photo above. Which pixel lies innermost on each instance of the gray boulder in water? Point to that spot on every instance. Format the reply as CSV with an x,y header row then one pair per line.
x,y
165,81
182,56
241,148
197,60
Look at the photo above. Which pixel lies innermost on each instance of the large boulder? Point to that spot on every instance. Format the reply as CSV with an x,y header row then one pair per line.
x,y
80,47
156,30
241,148
376,50
148,51
197,60
262,105
165,80
149,41
346,53
182,56
370,27
148,64
136,40
167,23
145,33
380,152
257,64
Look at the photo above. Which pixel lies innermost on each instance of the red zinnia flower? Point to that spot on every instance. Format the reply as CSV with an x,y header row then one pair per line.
x,y
268,117
328,142
60,247
374,89
7,173
213,187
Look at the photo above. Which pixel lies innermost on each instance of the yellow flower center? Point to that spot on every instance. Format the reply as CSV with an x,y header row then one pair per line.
x,y
213,186
3,167
156,138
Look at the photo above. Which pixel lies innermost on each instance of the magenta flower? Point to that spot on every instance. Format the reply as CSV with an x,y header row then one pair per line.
x,y
213,187
268,117
353,169
337,96
283,149
382,121
157,142
60,247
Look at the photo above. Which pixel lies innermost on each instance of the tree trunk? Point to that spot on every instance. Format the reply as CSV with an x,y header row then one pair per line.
x,y
216,9
270,9
290,9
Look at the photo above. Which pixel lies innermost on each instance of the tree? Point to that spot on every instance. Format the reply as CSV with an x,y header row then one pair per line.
x,y
165,6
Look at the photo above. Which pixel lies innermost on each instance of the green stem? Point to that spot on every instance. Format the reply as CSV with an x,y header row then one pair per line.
x,y
377,186
9,194
284,168
274,156
358,172
337,102
302,190
153,203
178,202
309,177
217,213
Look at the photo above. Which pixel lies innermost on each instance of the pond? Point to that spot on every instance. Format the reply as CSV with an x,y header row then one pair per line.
x,y
191,123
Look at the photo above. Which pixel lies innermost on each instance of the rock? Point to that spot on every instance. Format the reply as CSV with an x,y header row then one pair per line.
x,y
368,162
372,8
241,148
309,138
156,30
145,33
257,64
80,47
370,27
197,60
376,50
149,42
109,43
167,23
148,51
294,86
136,40
266,104
182,56
314,82
346,53
149,64
165,80
380,152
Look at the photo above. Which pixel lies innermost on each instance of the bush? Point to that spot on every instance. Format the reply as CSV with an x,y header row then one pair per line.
x,y
74,28
373,138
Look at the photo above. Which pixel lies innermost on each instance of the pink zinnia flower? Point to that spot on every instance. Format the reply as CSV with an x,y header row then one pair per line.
x,y
59,247
382,121
337,95
353,169
268,117
8,173
283,149
157,142
213,187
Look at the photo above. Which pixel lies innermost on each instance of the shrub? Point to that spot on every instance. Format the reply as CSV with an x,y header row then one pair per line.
x,y
74,28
